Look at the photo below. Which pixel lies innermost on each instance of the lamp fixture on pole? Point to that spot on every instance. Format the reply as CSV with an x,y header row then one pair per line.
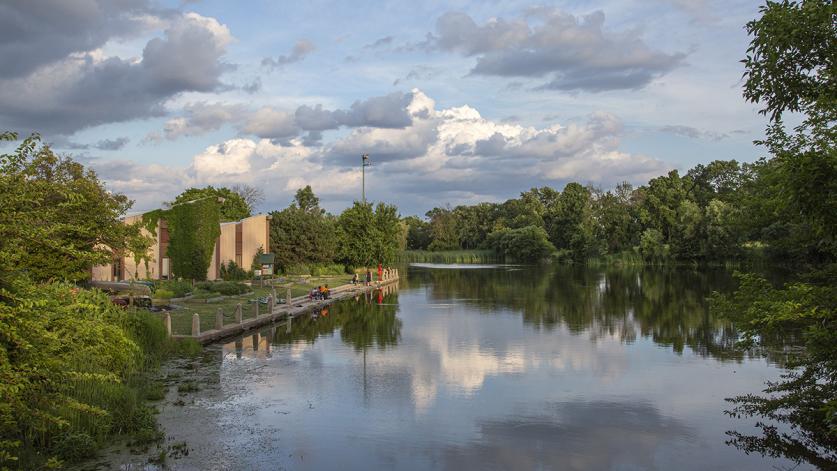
x,y
364,163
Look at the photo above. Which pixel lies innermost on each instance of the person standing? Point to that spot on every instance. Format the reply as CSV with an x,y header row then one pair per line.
x,y
368,277
380,272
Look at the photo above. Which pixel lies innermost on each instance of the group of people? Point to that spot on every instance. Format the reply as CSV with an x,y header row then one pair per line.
x,y
356,280
321,292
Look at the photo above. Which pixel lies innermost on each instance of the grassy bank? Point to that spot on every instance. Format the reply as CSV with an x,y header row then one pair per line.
x,y
75,372
448,256
181,319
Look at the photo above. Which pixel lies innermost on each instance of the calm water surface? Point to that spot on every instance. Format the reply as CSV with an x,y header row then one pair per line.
x,y
490,368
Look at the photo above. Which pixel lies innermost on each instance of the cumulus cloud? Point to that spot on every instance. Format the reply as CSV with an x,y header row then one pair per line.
x,y
444,155
34,34
300,50
388,111
87,89
199,118
572,53
271,123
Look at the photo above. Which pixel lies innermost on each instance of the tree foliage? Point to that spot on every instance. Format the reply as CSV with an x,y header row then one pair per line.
x,y
791,66
526,244
367,237
56,219
303,233
70,360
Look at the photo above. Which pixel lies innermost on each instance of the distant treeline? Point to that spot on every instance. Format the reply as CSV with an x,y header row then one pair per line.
x,y
721,211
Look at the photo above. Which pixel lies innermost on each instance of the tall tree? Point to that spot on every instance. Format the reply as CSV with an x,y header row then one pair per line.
x,y
791,65
418,233
356,235
443,228
303,233
57,220
252,196
387,233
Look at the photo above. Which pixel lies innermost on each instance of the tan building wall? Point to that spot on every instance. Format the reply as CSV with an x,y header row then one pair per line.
x,y
254,236
239,242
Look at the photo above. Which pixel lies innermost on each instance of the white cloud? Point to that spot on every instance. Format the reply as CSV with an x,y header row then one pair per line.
x,y
452,154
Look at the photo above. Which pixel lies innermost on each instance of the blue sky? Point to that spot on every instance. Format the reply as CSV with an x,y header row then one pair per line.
x,y
456,102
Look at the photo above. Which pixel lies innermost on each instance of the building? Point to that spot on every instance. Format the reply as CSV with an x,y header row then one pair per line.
x,y
239,242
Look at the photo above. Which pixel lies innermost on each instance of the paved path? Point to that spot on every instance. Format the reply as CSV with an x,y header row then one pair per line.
x,y
280,311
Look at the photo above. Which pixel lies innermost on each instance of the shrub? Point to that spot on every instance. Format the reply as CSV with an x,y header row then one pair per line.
x,y
72,367
229,288
226,288
230,271
163,294
180,288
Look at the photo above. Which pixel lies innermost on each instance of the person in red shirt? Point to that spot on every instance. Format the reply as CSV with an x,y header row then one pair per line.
x,y
380,272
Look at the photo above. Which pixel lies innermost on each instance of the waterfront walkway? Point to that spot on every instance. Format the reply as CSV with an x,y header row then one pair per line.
x,y
276,311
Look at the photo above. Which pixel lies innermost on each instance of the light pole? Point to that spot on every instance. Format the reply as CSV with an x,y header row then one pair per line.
x,y
364,159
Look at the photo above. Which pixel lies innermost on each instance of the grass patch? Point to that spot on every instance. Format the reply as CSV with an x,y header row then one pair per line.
x,y
181,319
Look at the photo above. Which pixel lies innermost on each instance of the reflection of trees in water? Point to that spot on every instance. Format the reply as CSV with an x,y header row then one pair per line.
x,y
573,435
363,323
668,305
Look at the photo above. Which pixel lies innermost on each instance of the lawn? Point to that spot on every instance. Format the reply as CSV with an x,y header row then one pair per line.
x,y
181,319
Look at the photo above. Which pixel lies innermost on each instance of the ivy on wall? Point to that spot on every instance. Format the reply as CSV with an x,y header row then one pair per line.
x,y
194,228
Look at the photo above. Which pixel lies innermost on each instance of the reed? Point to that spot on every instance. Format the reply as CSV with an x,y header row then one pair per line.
x,y
448,256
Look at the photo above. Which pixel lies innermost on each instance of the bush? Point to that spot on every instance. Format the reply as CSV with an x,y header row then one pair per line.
x,y
163,294
180,288
232,272
73,366
226,288
527,244
229,288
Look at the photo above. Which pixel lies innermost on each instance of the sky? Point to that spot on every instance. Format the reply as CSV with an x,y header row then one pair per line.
x,y
456,102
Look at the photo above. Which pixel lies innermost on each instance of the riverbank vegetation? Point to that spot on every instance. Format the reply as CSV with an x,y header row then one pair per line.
x,y
74,368
308,240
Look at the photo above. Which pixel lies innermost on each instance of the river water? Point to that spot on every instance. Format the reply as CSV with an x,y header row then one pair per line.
x,y
499,367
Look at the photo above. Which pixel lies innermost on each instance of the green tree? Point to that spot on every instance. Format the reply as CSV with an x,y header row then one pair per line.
x,y
56,218
303,233
357,235
791,66
570,222
234,207
474,223
443,228
387,233
616,226
419,235
525,244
